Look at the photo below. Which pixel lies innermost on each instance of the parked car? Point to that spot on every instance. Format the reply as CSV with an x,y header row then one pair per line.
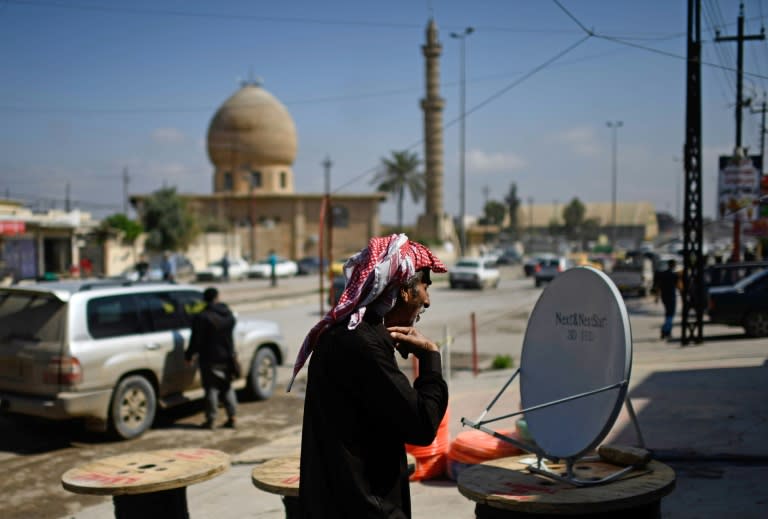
x,y
263,269
634,273
529,265
311,265
185,271
238,269
743,304
730,273
111,353
509,256
474,272
548,268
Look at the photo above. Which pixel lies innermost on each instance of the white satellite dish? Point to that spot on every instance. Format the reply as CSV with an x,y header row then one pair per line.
x,y
574,369
578,340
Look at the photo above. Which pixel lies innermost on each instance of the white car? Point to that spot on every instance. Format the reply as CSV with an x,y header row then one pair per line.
x,y
474,272
238,269
185,271
263,269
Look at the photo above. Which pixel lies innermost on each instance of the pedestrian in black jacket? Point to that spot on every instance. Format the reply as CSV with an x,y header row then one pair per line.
x,y
360,409
212,342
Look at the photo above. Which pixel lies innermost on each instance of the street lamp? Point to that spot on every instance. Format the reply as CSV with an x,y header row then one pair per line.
x,y
613,125
462,37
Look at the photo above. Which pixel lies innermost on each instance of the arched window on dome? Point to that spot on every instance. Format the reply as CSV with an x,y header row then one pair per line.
x,y
283,180
255,179
227,181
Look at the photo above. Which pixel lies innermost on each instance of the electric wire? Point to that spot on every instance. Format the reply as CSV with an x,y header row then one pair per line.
x,y
477,107
626,41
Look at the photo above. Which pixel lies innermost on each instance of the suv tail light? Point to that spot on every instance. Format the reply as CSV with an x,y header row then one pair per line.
x,y
537,268
559,268
64,371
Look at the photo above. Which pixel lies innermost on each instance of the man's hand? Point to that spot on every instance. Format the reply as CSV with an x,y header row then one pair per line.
x,y
409,340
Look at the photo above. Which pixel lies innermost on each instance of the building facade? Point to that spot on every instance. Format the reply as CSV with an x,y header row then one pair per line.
x,y
252,145
35,244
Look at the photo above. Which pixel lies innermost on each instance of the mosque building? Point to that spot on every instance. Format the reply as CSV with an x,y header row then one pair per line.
x,y
252,145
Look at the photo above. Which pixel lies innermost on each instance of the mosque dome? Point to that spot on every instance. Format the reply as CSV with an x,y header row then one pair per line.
x,y
252,127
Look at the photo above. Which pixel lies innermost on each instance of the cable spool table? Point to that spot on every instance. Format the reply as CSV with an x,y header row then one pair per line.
x,y
504,488
281,476
147,484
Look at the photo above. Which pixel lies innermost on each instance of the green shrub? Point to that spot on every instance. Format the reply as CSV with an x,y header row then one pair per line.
x,y
502,362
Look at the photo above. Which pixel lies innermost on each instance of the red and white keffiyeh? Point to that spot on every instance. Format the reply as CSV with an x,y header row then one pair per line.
x,y
374,273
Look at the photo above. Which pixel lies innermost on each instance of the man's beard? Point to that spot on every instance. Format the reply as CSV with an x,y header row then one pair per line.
x,y
420,311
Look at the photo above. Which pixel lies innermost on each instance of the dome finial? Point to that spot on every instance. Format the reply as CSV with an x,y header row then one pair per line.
x,y
252,81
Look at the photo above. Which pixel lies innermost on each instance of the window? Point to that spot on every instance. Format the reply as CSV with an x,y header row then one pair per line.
x,y
228,181
113,316
31,317
255,178
162,311
340,216
190,303
283,179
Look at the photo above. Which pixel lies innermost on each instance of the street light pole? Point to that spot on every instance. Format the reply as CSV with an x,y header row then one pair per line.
x,y
462,37
614,126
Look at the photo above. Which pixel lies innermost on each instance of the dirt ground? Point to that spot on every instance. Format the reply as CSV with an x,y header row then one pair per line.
x,y
35,453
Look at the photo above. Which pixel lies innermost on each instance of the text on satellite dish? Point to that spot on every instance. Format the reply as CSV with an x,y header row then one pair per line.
x,y
581,320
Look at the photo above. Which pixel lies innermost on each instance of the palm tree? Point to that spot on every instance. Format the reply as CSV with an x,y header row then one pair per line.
x,y
398,173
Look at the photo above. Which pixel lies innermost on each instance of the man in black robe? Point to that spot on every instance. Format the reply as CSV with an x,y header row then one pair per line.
x,y
360,409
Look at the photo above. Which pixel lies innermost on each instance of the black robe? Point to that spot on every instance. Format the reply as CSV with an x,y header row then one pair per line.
x,y
359,412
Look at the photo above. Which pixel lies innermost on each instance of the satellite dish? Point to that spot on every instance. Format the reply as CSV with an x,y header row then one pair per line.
x,y
574,372
578,340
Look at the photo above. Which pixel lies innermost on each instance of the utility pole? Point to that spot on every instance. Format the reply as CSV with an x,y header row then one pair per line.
x,y
325,222
126,180
614,126
740,38
462,37
67,205
762,130
693,258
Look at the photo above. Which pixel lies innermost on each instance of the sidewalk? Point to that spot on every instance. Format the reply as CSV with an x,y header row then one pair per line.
x,y
701,408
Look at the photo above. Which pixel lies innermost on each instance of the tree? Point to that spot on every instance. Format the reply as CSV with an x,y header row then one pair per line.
x,y
399,173
494,213
573,218
513,204
131,229
170,224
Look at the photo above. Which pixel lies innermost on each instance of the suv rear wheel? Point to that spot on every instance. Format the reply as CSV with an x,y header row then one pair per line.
x,y
133,407
262,376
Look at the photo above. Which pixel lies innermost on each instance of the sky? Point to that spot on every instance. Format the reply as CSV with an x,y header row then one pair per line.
x,y
92,88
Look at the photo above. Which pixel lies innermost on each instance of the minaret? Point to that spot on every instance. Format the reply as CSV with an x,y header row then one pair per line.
x,y
431,223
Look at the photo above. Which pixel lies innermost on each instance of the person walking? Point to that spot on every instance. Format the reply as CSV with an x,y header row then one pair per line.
x,y
360,410
272,268
225,267
168,267
666,285
142,268
212,342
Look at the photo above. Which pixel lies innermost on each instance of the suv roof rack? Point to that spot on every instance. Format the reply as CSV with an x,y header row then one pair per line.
x,y
118,282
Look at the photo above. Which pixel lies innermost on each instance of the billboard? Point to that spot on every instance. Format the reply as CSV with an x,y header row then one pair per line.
x,y
738,187
760,225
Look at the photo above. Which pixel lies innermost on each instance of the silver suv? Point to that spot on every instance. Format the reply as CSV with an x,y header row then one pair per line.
x,y
111,352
